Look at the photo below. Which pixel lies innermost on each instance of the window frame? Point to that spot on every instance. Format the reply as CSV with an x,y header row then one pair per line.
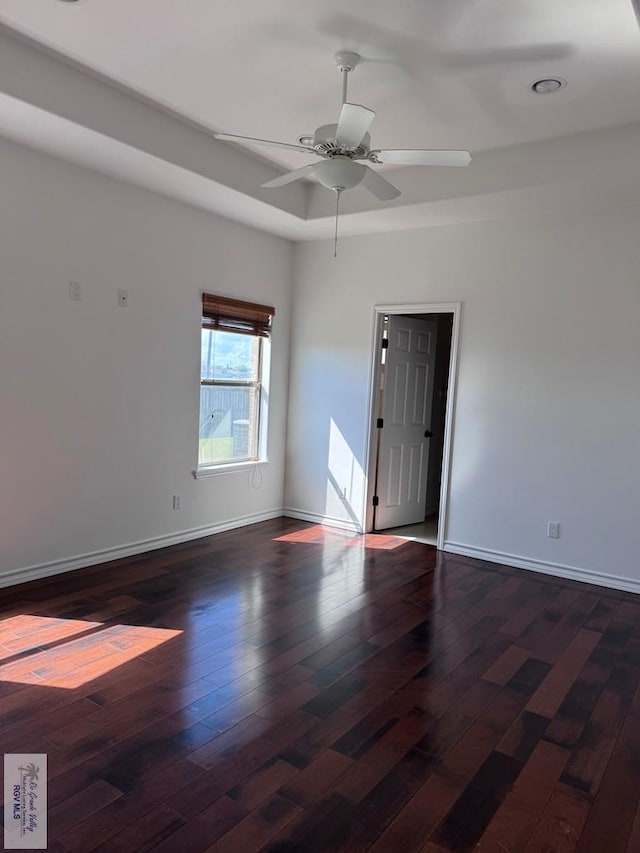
x,y
248,319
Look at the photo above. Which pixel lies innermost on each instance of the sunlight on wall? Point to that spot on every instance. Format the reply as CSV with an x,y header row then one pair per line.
x,y
345,480
68,653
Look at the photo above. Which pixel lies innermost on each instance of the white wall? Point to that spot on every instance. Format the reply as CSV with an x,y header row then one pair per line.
x,y
547,418
99,404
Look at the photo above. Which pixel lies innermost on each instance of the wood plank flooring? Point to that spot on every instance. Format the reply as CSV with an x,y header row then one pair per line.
x,y
287,687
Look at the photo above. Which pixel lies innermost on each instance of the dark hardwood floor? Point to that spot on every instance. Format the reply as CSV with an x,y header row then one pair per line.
x,y
290,688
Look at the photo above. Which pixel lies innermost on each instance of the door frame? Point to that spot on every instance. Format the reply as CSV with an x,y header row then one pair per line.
x,y
379,311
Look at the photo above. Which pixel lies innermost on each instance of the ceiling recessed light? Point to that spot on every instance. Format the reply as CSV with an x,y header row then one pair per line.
x,y
548,85
306,140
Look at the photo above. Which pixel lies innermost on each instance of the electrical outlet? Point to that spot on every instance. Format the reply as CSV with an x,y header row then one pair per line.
x,y
123,300
553,529
177,502
75,291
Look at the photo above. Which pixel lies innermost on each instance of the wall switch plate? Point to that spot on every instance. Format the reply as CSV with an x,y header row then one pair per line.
x,y
123,298
553,530
177,502
75,291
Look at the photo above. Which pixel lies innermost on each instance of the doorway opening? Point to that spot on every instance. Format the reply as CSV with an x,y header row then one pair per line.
x,y
412,396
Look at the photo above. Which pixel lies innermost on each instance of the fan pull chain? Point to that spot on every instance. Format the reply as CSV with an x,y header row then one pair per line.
x,y
335,236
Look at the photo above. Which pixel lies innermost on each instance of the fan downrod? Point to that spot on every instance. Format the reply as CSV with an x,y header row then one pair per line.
x,y
346,60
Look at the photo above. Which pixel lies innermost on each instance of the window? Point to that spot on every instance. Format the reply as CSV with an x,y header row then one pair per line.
x,y
234,367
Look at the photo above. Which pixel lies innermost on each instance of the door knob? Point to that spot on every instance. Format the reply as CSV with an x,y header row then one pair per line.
x,y
428,433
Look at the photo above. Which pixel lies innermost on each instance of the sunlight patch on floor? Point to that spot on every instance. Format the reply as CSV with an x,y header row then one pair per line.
x,y
70,652
321,534
316,533
378,541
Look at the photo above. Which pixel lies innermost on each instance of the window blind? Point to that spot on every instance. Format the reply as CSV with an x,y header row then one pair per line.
x,y
235,315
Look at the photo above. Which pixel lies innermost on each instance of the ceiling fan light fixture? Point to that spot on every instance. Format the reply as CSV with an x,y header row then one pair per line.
x,y
339,173
547,85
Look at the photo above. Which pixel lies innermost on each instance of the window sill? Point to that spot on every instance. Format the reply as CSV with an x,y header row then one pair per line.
x,y
229,468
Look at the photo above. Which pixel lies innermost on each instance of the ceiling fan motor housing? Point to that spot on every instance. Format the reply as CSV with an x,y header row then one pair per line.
x,y
324,142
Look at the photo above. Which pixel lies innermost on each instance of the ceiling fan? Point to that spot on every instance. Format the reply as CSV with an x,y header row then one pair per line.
x,y
341,146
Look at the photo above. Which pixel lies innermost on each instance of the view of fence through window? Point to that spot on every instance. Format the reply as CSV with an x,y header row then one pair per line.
x,y
229,396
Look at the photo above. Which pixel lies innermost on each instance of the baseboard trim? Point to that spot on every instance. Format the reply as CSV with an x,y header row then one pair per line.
x,y
316,518
556,569
94,558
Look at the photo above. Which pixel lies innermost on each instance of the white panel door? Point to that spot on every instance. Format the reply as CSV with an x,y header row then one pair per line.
x,y
406,411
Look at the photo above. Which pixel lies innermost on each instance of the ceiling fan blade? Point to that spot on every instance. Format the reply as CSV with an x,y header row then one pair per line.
x,y
420,54
551,52
353,123
366,35
420,157
231,137
289,177
379,186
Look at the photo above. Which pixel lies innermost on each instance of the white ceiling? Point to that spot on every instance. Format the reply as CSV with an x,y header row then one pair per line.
x,y
441,73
